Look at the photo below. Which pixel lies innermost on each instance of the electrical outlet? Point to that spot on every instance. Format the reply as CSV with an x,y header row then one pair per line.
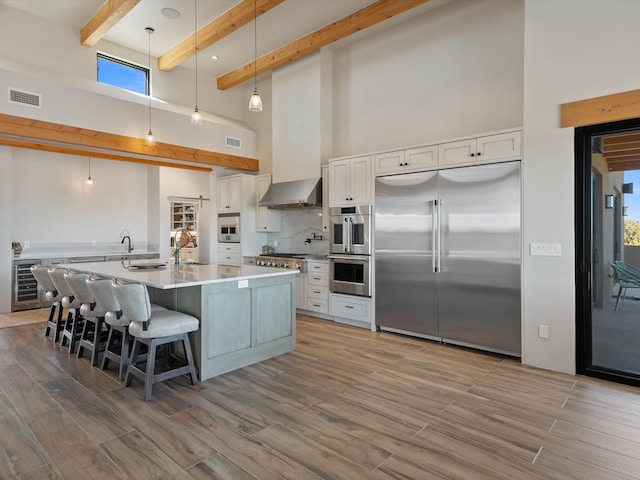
x,y
275,243
27,244
546,249
93,243
543,331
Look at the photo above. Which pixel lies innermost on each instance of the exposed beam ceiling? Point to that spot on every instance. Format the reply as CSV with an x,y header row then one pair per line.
x,y
353,23
110,13
217,29
622,151
608,108
41,135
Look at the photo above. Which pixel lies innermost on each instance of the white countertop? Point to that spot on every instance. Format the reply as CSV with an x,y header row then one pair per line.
x,y
175,276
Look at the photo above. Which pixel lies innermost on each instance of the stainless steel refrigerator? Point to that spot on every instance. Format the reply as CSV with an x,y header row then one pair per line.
x,y
447,255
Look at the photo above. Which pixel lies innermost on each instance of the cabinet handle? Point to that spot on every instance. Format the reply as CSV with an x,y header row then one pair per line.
x,y
315,305
348,306
479,154
473,154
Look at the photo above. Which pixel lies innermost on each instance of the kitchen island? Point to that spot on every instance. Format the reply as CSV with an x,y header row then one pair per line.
x,y
247,313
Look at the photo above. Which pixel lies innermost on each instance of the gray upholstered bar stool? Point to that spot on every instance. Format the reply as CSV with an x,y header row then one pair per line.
x,y
93,315
41,274
154,328
74,321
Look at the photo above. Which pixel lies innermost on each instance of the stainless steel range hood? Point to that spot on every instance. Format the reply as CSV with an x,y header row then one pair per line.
x,y
294,194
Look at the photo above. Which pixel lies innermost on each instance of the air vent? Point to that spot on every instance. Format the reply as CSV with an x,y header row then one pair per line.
x,y
232,142
24,98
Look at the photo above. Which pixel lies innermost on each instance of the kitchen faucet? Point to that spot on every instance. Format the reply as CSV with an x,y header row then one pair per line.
x,y
129,247
179,246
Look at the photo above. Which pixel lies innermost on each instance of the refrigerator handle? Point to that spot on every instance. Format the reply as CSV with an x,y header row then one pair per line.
x,y
438,230
434,234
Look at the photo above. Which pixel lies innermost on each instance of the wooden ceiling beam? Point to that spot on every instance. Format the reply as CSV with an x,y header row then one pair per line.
x,y
353,23
629,164
620,147
110,13
76,138
620,138
72,150
608,108
227,23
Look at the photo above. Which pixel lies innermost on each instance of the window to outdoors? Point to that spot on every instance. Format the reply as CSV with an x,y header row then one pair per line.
x,y
119,73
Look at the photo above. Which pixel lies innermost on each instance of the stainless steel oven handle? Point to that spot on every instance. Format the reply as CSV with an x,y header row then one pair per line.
x,y
348,258
345,236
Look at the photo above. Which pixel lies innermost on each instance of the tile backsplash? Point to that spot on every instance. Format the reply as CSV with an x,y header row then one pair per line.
x,y
298,225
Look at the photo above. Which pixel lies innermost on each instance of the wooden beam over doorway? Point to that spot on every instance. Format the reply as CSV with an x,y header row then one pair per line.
x,y
608,108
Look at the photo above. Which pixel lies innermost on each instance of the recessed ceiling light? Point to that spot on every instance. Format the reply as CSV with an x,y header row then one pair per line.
x,y
214,57
170,12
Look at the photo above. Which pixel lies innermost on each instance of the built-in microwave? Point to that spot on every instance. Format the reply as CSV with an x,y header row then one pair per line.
x,y
229,228
350,230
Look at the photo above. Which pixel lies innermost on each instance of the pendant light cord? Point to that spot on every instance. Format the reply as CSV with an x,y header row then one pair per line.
x,y
195,36
149,32
255,43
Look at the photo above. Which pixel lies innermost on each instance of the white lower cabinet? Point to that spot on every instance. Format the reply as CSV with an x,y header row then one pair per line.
x,y
350,309
318,287
301,291
229,254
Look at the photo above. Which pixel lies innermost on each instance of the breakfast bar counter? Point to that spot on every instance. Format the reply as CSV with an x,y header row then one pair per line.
x,y
247,313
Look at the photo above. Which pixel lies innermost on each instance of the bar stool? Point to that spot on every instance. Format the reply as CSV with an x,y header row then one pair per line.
x,y
73,324
154,328
41,274
93,315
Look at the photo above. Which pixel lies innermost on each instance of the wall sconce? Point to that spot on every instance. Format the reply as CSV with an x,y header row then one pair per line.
x,y
609,201
627,187
624,212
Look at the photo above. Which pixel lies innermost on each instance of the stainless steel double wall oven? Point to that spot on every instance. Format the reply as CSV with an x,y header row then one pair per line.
x,y
350,250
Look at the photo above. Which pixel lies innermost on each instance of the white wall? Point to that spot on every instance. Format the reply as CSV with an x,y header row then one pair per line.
x,y
571,53
53,204
63,72
296,119
56,50
455,71
6,254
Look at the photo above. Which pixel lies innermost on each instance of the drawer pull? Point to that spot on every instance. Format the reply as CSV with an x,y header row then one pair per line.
x,y
348,306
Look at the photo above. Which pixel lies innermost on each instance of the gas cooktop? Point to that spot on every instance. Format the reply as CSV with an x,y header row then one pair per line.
x,y
284,255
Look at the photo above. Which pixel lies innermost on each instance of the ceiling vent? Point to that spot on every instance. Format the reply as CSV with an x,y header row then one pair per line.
x,y
232,142
24,98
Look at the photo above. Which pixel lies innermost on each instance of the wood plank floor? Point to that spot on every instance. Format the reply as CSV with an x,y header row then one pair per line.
x,y
347,404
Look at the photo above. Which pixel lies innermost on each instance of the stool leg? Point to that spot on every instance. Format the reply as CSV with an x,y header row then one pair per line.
x,y
96,341
189,354
59,324
83,336
150,370
66,333
124,354
132,362
105,358
52,312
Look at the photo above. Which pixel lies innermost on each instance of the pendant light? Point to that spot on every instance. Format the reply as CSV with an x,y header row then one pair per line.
x,y
89,179
150,141
196,116
255,102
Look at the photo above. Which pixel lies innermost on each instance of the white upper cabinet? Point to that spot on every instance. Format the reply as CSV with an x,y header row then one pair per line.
x,y
267,219
402,161
350,181
502,147
499,147
229,194
488,149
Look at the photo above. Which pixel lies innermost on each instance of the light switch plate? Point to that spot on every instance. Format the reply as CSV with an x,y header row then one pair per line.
x,y
243,283
546,249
